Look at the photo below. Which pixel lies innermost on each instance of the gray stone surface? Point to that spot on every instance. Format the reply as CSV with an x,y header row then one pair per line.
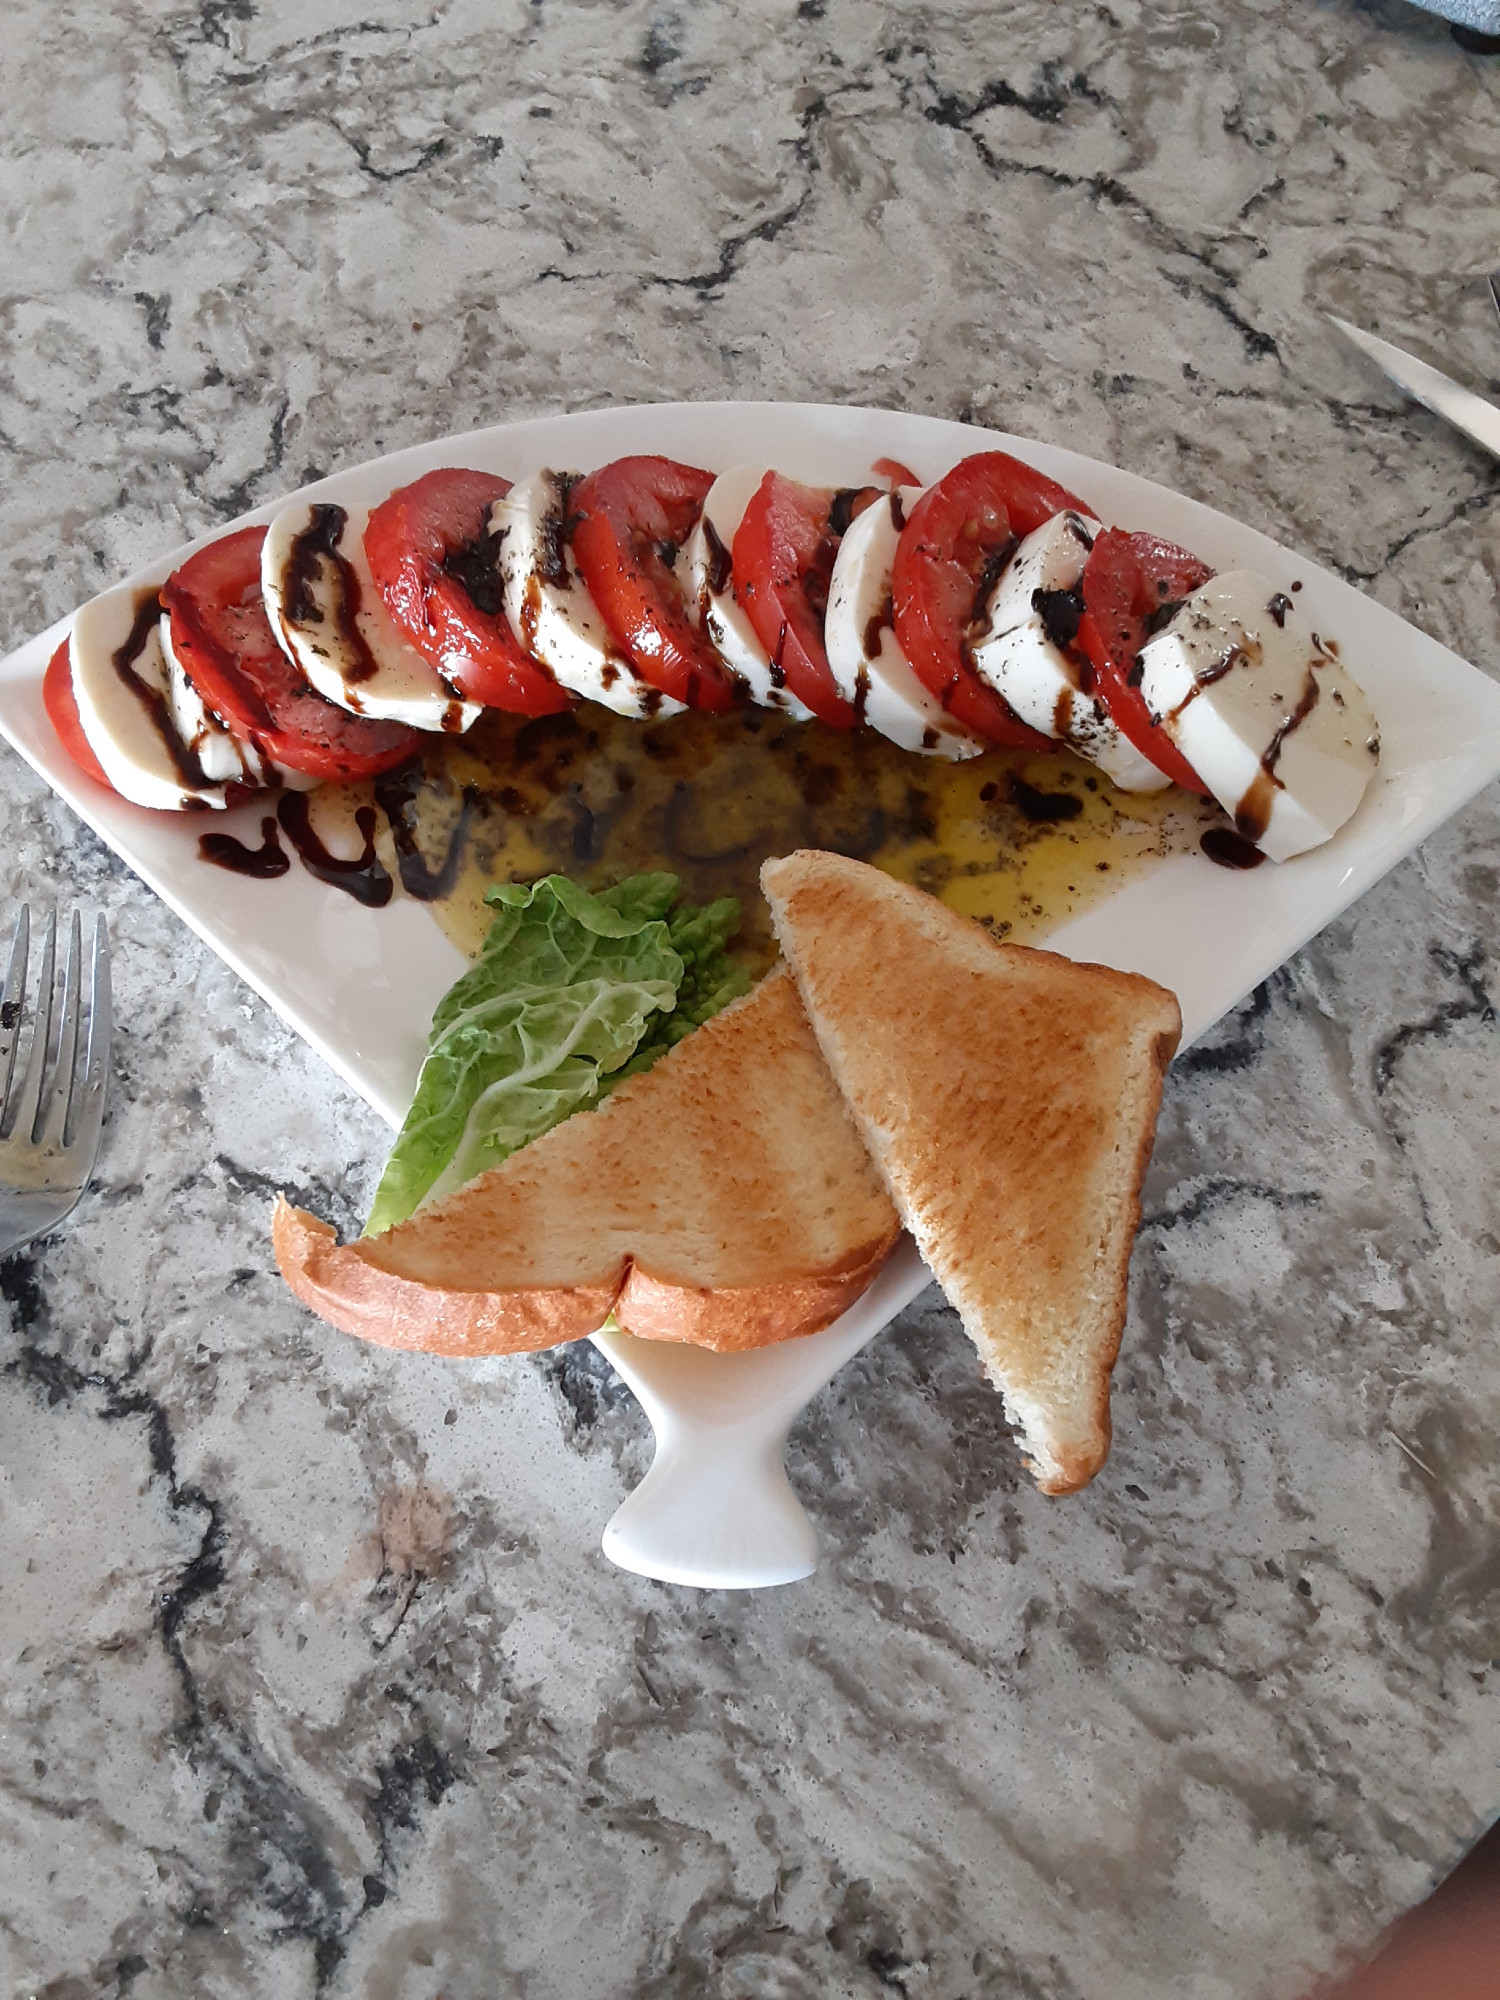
x,y
311,1675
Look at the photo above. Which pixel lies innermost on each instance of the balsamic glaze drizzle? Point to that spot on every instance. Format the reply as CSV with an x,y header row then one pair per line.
x,y
720,563
1253,813
873,638
989,576
184,760
317,543
364,878
1061,613
319,538
555,533
394,794
1230,849
262,863
846,503
1042,808
475,567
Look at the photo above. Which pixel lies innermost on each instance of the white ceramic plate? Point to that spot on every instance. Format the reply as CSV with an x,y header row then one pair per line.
x,y
361,984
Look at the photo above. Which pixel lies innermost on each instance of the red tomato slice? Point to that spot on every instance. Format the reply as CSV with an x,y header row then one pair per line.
x,y
222,637
783,563
434,565
629,521
62,712
893,470
955,543
1128,580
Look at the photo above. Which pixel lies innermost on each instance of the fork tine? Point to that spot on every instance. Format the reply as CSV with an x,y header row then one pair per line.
x,y
41,1034
13,1002
65,1064
89,1095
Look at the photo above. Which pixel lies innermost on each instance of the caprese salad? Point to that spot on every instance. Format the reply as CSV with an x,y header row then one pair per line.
x,y
992,607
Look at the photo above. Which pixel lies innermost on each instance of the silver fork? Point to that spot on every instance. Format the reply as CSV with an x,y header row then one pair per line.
x,y
50,1124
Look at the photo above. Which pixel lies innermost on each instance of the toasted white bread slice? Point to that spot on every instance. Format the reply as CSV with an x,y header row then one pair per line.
x,y
1009,1097
723,1198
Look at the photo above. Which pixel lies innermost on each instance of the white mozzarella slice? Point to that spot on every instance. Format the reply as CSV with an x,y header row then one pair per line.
x,y
1043,684
1052,557
222,756
864,654
225,756
332,622
707,587
549,606
120,684
1275,726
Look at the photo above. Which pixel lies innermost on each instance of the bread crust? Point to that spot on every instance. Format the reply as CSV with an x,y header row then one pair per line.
x,y
741,1317
1009,1097
341,1285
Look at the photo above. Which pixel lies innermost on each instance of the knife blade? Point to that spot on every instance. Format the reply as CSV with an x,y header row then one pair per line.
x,y
1429,386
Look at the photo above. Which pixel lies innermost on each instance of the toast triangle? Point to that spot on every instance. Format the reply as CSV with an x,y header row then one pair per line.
x,y
723,1198
1009,1098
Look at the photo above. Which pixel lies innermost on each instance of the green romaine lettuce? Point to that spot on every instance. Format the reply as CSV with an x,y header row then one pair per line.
x,y
571,991
710,980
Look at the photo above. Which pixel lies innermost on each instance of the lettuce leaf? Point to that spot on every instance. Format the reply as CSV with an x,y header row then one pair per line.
x,y
571,991
710,980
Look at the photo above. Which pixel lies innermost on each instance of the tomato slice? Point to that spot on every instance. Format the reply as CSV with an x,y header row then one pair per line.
x,y
957,539
433,562
223,639
892,470
62,712
783,558
1128,582
629,520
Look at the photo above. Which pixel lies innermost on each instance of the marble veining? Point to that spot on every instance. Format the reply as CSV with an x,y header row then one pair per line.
x,y
312,1678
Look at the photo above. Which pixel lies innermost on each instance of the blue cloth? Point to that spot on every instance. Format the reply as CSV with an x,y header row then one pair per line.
x,y
1481,14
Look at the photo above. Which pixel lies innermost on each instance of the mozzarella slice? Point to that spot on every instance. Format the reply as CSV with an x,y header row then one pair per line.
x,y
864,653
224,756
1052,557
1040,677
331,622
1043,683
1262,709
709,590
549,606
120,684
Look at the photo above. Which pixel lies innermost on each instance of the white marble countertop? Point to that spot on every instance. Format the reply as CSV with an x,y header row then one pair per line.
x,y
312,1678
